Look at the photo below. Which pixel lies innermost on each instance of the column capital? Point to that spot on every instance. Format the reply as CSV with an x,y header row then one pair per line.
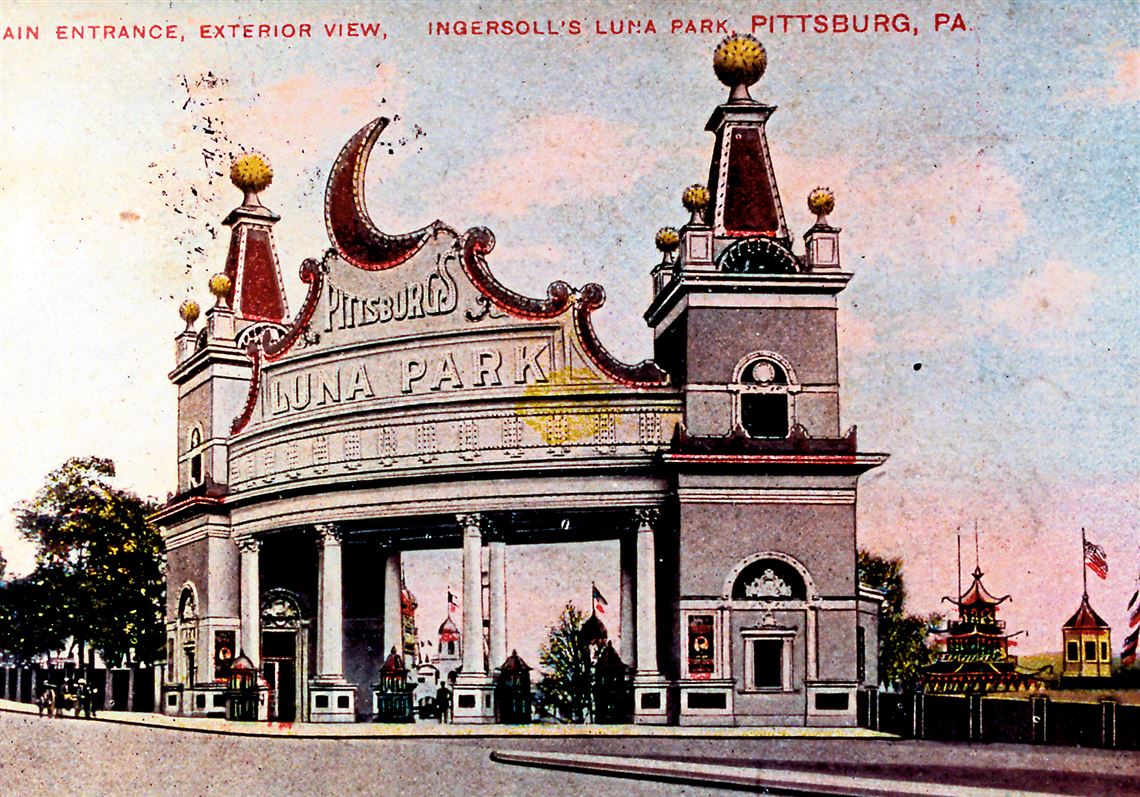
x,y
647,517
472,522
247,544
328,533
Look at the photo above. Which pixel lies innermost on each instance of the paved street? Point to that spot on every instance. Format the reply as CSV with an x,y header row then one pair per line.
x,y
76,757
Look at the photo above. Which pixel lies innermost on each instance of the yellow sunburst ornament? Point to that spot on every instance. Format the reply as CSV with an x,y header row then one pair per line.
x,y
739,61
667,241
189,311
252,174
821,201
220,286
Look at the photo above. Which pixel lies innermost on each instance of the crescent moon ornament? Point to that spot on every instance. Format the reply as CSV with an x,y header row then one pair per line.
x,y
351,231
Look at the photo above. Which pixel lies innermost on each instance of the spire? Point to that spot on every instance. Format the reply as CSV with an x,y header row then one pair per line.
x,y
256,292
745,201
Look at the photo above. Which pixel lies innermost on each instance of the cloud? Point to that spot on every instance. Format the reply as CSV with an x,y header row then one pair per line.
x,y
964,213
1054,296
1125,85
559,159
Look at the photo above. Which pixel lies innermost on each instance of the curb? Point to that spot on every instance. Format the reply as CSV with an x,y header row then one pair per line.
x,y
320,731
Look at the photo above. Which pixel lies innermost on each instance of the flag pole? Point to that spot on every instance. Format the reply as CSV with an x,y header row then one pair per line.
x,y
959,563
1084,565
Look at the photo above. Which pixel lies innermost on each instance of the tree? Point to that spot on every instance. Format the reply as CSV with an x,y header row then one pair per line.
x,y
3,565
98,563
565,689
903,651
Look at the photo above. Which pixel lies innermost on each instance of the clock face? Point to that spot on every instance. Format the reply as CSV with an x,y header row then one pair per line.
x,y
758,256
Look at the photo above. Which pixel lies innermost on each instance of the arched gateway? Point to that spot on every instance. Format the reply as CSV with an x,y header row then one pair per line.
x,y
416,402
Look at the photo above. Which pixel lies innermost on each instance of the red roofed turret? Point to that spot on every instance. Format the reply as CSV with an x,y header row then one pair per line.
x,y
256,290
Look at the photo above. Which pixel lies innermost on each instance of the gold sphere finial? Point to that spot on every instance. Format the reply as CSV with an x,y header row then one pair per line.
x,y
252,174
220,286
821,201
667,239
189,311
739,61
695,198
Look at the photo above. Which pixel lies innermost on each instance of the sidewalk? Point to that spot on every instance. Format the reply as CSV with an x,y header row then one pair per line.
x,y
365,730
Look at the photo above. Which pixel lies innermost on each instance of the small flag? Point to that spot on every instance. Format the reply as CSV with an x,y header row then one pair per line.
x,y
600,602
1128,652
1095,559
452,601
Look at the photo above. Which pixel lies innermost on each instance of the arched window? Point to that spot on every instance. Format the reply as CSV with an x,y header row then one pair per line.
x,y
768,580
763,382
187,605
195,456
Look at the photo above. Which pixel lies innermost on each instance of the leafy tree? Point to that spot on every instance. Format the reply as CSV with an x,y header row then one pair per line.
x,y
565,689
98,563
903,651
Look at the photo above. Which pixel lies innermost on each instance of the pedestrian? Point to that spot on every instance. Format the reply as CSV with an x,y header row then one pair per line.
x,y
443,703
46,701
82,698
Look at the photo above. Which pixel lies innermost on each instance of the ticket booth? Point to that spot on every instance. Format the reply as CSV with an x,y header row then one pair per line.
x,y
512,691
393,695
242,693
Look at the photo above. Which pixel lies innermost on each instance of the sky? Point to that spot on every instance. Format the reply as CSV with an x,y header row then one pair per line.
x,y
985,179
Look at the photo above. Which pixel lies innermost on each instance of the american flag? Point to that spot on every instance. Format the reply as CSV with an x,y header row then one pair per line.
x,y
1095,559
452,601
600,603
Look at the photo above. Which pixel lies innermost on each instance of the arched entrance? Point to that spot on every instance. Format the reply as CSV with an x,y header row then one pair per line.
x,y
284,653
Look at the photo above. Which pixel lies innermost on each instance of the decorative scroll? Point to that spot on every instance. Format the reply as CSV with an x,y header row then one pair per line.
x,y
768,585
358,240
477,243
644,374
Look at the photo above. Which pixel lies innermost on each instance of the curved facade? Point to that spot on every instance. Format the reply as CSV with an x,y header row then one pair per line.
x,y
414,401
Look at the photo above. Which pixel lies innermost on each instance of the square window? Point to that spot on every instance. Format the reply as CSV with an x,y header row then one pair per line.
x,y
199,701
466,701
1090,651
219,700
342,701
172,700
321,701
764,414
1073,651
832,701
651,701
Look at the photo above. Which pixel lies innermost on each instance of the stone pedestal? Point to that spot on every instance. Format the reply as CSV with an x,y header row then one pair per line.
x,y
650,699
473,699
331,700
705,702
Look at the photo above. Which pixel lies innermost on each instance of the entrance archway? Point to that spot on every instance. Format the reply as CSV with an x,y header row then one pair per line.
x,y
284,653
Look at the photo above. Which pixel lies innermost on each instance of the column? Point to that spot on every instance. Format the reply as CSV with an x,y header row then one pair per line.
x,y
472,593
497,577
330,631
393,627
646,592
627,558
250,600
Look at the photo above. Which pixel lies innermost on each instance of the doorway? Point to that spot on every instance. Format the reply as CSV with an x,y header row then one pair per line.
x,y
279,657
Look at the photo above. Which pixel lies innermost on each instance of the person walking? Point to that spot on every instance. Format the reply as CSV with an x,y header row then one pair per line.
x,y
443,703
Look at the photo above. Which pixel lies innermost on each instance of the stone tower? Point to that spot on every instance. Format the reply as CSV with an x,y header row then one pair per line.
x,y
771,627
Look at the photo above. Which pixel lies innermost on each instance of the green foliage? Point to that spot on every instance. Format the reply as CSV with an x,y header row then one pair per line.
x,y
565,689
98,577
903,651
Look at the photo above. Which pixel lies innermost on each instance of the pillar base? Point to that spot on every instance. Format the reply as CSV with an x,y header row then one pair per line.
x,y
831,705
473,699
650,699
331,700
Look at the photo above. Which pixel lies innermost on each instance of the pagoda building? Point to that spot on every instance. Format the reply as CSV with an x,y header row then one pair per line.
x,y
1087,646
977,657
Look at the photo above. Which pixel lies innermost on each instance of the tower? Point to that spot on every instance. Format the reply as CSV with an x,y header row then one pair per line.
x,y
770,623
1086,646
212,375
